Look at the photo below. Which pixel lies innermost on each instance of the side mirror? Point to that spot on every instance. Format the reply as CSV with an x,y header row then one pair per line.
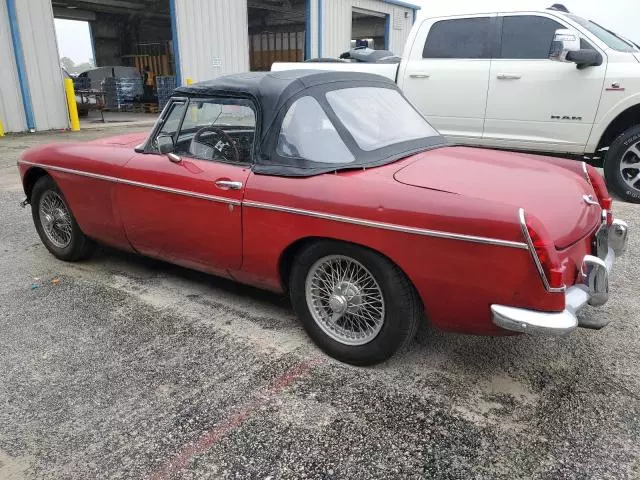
x,y
165,144
564,42
585,58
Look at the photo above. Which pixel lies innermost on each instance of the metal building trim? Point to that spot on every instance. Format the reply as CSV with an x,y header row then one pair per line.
x,y
307,30
400,3
387,31
320,27
174,41
20,64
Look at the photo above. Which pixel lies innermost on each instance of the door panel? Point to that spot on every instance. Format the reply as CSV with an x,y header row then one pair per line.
x,y
176,211
447,72
537,102
451,94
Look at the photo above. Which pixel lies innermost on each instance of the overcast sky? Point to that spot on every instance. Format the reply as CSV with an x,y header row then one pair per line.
x,y
621,16
74,40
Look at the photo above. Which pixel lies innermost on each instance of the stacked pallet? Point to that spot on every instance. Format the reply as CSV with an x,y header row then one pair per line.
x,y
82,83
122,92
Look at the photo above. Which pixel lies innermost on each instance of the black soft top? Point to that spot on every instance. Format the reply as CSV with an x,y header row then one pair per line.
x,y
274,92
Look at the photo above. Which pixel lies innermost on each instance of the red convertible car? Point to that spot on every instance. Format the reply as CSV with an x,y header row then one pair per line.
x,y
332,187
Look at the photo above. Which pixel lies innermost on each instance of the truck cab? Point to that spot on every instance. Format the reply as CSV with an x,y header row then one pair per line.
x,y
492,80
543,81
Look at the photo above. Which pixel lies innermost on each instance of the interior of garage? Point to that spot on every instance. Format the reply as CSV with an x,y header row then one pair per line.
x,y
276,32
369,29
124,33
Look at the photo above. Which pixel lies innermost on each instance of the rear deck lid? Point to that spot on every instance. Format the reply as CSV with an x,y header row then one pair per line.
x,y
551,193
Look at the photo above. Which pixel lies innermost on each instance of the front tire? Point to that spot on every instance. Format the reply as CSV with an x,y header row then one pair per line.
x,y
56,224
622,166
355,304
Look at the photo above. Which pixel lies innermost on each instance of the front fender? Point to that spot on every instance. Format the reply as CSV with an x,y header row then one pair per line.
x,y
606,118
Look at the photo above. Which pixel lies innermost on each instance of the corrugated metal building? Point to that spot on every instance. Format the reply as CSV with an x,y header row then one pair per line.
x,y
208,38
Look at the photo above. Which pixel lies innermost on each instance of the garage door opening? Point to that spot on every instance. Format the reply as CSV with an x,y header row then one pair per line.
x,y
276,32
369,29
131,44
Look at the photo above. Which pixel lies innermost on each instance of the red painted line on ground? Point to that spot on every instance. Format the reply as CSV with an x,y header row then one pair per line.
x,y
233,421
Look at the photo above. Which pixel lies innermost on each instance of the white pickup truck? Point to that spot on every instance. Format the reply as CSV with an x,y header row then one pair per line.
x,y
543,81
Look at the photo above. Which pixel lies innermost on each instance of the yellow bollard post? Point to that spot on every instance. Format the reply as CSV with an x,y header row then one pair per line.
x,y
189,81
72,105
1,129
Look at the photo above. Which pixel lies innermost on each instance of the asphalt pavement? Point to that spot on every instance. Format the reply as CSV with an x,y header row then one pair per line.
x,y
122,367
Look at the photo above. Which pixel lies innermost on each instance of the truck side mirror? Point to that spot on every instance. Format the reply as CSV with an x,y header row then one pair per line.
x,y
585,58
564,42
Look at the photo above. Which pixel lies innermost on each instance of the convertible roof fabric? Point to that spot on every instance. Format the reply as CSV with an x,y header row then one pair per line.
x,y
273,94
272,90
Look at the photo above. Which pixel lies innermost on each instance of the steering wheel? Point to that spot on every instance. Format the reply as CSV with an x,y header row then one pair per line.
x,y
219,143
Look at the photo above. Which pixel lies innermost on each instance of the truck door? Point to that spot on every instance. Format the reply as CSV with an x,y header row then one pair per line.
x,y
446,74
536,103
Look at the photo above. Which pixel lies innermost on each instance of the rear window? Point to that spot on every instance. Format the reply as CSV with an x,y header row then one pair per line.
x,y
377,117
459,38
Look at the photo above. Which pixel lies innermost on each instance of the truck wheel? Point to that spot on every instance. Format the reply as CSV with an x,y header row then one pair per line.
x,y
56,224
355,304
622,166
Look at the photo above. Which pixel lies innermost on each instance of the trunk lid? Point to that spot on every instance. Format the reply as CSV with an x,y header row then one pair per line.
x,y
550,192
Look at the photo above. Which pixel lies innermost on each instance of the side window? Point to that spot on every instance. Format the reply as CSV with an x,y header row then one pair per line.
x,y
172,122
527,37
219,129
459,38
308,133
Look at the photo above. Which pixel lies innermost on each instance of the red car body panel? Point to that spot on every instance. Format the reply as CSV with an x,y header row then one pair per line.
x,y
145,203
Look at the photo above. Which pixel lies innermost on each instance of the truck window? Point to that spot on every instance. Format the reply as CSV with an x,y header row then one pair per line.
x,y
459,38
527,37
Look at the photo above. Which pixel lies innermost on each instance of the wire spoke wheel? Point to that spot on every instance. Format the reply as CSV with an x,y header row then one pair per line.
x,y
630,166
345,300
55,219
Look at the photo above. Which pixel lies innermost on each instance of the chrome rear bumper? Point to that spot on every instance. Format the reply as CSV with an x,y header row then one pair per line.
x,y
594,291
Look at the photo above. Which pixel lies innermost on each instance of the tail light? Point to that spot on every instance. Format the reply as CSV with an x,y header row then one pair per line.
x,y
543,252
602,194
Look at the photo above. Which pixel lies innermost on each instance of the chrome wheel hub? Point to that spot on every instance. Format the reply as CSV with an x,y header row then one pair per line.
x,y
345,300
630,166
55,219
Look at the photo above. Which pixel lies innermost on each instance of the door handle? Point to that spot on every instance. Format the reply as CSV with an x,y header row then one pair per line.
x,y
507,76
419,75
228,185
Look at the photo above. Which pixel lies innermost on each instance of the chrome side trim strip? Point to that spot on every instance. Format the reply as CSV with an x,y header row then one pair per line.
x,y
297,211
534,255
387,226
586,172
176,191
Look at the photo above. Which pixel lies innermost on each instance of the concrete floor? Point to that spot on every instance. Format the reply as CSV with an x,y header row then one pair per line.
x,y
117,119
121,367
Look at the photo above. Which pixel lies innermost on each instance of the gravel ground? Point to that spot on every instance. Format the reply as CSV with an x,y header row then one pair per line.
x,y
124,367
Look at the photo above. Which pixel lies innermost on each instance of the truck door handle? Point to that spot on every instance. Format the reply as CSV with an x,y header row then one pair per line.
x,y
228,185
507,76
419,75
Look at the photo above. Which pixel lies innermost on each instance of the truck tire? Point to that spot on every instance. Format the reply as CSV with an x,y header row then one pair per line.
x,y
622,166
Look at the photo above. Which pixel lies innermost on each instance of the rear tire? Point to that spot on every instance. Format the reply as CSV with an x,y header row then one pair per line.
x,y
355,304
622,166
55,223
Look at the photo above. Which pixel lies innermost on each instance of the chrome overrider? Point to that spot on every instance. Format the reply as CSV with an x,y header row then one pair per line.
x,y
592,290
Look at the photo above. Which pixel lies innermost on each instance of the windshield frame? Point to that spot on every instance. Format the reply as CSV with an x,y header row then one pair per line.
x,y
608,37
